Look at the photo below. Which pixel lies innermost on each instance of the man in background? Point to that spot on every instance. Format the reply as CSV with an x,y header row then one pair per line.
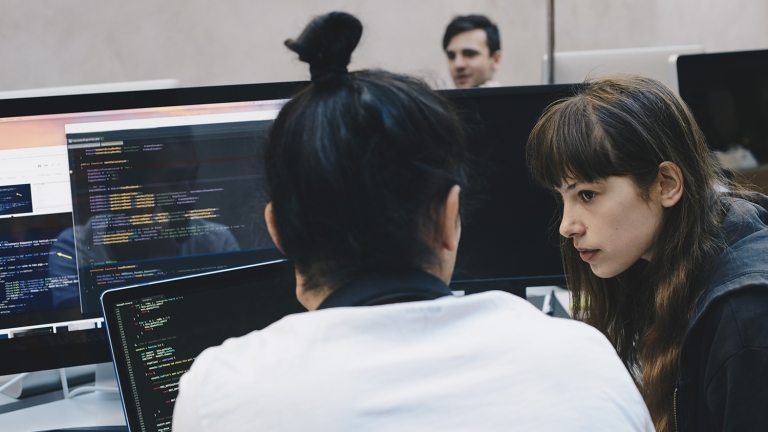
x,y
473,47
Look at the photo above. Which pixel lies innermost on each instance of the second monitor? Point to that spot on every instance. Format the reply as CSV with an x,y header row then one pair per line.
x,y
509,238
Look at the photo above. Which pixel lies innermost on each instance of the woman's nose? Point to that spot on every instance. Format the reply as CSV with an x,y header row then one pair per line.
x,y
570,225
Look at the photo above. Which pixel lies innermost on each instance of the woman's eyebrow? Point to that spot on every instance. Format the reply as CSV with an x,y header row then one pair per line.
x,y
568,188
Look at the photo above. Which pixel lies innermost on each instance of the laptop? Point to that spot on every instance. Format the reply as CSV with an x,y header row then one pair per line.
x,y
157,329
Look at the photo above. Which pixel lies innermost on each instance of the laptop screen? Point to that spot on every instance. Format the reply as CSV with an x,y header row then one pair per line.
x,y
157,330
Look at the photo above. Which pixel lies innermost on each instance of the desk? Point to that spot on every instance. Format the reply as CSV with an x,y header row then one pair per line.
x,y
90,409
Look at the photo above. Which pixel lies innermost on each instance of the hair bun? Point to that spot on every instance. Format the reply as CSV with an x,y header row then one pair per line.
x,y
327,43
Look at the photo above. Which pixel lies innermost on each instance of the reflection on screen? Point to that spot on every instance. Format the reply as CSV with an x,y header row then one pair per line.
x,y
98,200
156,202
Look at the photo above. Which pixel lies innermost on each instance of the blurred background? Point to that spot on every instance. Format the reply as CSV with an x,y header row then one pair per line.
x,y
47,43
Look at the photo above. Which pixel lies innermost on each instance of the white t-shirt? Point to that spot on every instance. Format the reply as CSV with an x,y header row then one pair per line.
x,y
487,361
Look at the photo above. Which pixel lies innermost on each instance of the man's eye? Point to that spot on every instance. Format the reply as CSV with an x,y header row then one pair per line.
x,y
586,196
451,55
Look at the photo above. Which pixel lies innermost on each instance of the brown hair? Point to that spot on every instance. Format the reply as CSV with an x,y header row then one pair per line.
x,y
627,126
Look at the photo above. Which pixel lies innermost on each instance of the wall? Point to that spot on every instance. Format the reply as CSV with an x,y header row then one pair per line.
x,y
208,42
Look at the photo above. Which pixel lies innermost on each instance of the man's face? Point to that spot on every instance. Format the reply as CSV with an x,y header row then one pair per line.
x,y
469,59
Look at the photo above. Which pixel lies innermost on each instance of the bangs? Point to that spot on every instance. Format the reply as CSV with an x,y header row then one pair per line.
x,y
568,143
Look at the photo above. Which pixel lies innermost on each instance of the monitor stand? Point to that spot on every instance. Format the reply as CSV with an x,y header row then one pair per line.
x,y
37,388
105,382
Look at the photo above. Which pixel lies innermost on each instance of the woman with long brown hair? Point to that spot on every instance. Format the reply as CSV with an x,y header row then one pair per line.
x,y
664,255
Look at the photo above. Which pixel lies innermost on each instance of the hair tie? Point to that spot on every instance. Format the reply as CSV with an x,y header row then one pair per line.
x,y
318,73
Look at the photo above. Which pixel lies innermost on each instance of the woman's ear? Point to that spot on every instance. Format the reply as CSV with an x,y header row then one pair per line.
x,y
269,216
670,181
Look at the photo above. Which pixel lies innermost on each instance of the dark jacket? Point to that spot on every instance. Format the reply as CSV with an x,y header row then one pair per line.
x,y
723,384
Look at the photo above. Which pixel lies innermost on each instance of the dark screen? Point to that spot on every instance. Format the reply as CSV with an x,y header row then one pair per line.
x,y
157,337
510,230
728,95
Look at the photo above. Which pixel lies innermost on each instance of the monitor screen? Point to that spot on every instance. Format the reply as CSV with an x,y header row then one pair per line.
x,y
509,237
157,330
109,190
728,95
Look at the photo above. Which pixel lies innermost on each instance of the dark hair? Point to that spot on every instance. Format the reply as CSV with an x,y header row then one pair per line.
x,y
627,126
359,164
462,24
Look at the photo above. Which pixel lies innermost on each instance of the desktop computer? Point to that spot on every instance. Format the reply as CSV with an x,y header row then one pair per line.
x,y
102,191
107,190
653,62
728,95
509,237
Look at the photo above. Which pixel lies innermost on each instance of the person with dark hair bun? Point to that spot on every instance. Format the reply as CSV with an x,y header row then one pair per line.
x,y
365,173
473,47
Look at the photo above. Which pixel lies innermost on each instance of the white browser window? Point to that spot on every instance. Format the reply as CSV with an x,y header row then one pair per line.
x,y
44,170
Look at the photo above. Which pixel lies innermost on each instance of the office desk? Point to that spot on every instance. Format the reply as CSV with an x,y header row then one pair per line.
x,y
90,409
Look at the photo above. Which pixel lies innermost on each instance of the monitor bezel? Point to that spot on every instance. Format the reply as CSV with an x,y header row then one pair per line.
x,y
84,103
82,347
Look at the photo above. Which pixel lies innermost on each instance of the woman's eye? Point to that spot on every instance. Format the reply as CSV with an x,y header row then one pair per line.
x,y
586,196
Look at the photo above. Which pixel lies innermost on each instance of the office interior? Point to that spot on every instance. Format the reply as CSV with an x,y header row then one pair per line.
x,y
88,47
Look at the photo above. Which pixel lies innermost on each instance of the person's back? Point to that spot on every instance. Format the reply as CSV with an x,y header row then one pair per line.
x,y
365,172
488,361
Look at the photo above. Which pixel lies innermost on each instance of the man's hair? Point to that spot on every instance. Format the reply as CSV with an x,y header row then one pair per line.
x,y
466,23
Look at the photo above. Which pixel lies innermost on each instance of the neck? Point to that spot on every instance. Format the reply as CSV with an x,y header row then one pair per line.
x,y
312,299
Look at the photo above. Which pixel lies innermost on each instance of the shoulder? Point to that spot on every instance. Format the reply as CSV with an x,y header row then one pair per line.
x,y
733,324
743,263
490,347
242,372
740,319
728,362
566,332
570,364
745,225
574,366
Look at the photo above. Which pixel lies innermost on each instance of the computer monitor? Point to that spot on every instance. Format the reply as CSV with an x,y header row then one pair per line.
x,y
158,329
114,87
106,190
728,95
576,66
509,237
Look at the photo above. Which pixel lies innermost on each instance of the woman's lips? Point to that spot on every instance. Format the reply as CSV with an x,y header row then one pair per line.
x,y
588,255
